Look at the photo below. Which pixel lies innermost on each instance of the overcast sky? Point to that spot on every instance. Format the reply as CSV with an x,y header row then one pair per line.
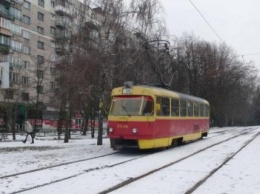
x,y
236,22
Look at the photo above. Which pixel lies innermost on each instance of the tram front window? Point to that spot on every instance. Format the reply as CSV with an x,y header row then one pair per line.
x,y
131,106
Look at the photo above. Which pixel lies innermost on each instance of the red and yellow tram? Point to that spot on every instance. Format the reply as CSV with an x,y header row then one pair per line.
x,y
148,117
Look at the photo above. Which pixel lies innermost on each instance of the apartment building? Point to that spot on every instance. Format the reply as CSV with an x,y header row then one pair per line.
x,y
27,53
31,33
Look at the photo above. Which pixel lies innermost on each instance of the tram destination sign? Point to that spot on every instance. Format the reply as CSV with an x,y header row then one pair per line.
x,y
127,91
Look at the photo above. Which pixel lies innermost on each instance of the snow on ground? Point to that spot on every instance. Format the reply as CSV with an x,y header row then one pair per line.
x,y
238,175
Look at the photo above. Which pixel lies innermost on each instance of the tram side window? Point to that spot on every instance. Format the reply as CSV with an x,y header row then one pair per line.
x,y
206,110
190,109
148,107
175,107
183,108
202,112
196,109
165,106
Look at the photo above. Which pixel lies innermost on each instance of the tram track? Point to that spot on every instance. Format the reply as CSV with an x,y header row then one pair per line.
x,y
30,173
219,133
57,165
86,159
100,168
137,178
200,182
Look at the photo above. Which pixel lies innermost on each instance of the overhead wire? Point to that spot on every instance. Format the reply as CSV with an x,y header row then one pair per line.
x,y
215,32
258,53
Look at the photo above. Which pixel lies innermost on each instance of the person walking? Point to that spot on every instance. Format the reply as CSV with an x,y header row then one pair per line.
x,y
29,130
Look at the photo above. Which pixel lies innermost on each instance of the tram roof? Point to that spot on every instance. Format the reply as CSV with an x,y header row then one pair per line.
x,y
159,91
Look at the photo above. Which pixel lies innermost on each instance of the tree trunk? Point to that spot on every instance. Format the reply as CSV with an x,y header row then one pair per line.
x,y
100,128
93,124
67,131
85,127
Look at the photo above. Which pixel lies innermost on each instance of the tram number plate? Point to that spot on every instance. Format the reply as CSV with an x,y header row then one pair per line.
x,y
127,91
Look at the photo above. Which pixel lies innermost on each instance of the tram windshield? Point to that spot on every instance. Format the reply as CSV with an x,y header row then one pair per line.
x,y
132,106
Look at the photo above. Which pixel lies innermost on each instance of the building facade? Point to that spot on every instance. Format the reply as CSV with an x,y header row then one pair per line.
x,y
33,37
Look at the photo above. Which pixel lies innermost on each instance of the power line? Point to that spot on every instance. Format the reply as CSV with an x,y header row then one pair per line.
x,y
252,54
215,32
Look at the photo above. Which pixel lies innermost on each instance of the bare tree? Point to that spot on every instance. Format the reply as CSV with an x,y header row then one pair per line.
x,y
216,73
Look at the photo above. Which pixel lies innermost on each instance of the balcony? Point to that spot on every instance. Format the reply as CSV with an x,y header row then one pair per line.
x,y
4,49
15,66
5,31
63,22
59,49
91,25
6,14
13,85
6,3
61,10
18,1
62,36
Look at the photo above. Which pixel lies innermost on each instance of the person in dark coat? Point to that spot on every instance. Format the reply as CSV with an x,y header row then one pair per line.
x,y
29,130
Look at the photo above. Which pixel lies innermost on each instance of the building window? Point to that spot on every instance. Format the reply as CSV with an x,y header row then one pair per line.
x,y
25,96
5,40
52,71
25,80
5,23
26,34
26,64
53,3
52,85
40,30
9,94
53,57
40,45
52,16
40,16
27,5
41,3
16,13
15,29
15,61
26,50
53,30
40,59
39,89
53,44
16,45
14,77
26,19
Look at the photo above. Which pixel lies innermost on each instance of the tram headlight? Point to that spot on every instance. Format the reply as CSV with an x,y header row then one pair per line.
x,y
134,130
111,129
